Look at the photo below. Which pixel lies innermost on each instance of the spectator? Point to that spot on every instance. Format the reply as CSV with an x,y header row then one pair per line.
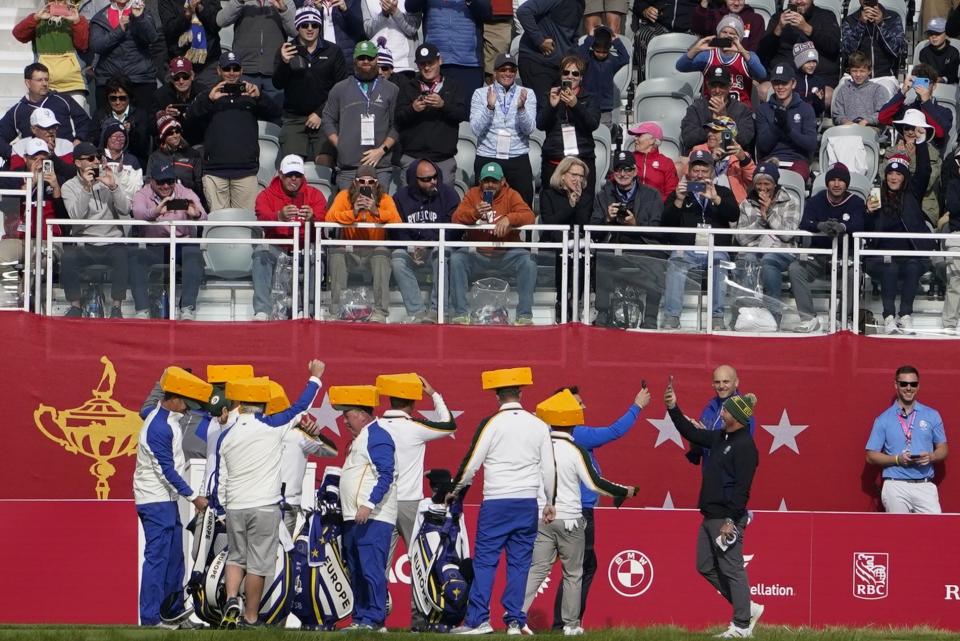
x,y
940,54
259,28
786,126
938,116
500,120
174,97
44,126
191,32
733,166
430,109
606,13
657,17
549,35
286,199
569,109
950,223
122,35
456,28
176,152
56,40
726,383
706,18
307,68
497,33
702,207
913,128
857,100
565,201
716,103
121,109
365,201
126,167
384,59
768,208
343,24
742,66
835,211
811,86
493,201
601,69
878,34
231,153
388,19
94,195
801,21
898,210
157,201
426,198
358,119
654,169
626,202
16,121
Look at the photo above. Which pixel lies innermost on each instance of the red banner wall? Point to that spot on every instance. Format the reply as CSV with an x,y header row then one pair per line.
x,y
818,396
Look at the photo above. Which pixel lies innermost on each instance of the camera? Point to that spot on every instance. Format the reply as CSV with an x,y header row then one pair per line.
x,y
722,43
621,211
566,84
234,89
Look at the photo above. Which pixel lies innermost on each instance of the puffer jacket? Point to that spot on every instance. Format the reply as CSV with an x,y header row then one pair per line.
x,y
124,52
784,214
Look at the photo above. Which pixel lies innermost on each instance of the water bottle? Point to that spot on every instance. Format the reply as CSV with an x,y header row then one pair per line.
x,y
280,288
93,302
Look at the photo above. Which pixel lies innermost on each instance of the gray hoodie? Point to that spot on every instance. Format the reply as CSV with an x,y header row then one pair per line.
x,y
100,204
851,102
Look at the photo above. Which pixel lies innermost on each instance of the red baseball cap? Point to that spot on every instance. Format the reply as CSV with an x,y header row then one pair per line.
x,y
181,65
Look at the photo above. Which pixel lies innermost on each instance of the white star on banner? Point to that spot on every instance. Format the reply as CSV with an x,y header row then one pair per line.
x,y
667,431
783,506
784,434
325,415
431,415
668,502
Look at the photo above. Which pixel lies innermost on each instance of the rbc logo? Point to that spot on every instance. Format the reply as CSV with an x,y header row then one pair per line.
x,y
871,575
630,573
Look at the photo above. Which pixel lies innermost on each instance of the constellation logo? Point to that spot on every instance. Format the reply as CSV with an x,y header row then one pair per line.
x,y
871,575
630,573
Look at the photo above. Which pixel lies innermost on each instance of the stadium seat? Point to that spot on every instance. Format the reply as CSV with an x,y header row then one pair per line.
x,y
794,184
603,145
921,45
899,7
230,261
320,177
662,54
859,184
671,146
836,6
662,99
268,136
466,152
866,134
766,9
461,188
536,152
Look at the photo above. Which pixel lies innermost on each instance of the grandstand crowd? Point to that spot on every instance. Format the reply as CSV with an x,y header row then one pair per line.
x,y
707,115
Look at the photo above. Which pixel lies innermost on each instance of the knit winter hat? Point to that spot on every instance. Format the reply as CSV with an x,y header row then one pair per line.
x,y
113,127
165,125
804,52
733,21
767,170
838,171
384,55
898,162
740,407
308,13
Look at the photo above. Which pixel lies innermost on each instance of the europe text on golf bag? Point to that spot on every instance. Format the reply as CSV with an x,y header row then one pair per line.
x,y
440,571
322,594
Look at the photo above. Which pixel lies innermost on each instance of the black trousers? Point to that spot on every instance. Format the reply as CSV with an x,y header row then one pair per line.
x,y
589,569
76,257
517,171
538,76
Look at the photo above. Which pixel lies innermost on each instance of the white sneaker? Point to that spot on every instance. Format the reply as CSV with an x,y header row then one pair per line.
x,y
188,314
890,325
483,628
734,632
756,611
261,316
513,629
906,324
572,631
142,313
526,630
807,326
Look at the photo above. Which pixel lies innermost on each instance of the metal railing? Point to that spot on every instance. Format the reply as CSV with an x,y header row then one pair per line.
x,y
31,221
171,241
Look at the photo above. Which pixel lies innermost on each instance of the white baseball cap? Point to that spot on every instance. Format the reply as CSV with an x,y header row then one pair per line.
x,y
34,146
292,164
43,118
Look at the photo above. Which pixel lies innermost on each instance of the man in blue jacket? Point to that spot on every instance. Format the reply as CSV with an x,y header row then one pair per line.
x,y
786,125
424,199
590,438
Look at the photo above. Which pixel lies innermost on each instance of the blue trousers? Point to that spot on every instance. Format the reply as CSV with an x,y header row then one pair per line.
x,y
503,524
162,559
365,551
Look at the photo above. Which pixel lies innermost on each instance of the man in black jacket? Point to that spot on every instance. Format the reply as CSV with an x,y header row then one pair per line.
x,y
715,104
231,151
306,69
430,108
799,22
724,492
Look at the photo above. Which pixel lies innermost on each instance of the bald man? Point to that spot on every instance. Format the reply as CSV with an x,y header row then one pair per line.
x,y
725,384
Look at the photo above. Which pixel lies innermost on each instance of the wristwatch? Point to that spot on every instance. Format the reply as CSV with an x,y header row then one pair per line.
x,y
386,149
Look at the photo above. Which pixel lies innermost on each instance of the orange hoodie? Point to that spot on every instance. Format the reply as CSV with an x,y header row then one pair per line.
x,y
507,203
341,211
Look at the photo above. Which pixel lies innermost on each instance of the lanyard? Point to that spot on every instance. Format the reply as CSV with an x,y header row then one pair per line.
x,y
504,102
907,427
367,94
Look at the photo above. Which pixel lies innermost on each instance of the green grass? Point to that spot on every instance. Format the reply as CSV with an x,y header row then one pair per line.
x,y
660,633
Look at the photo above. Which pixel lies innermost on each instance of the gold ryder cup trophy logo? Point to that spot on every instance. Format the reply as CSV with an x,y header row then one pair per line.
x,y
101,428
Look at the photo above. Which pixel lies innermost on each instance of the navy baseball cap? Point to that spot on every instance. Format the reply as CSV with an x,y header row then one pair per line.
x,y
701,156
229,59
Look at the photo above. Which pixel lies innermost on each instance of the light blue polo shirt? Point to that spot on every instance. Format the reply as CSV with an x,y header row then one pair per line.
x,y
887,436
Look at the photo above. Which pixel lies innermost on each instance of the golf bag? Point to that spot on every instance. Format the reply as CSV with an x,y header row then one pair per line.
x,y
322,594
440,574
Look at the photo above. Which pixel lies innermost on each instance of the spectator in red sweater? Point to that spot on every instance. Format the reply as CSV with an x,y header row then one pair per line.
x,y
57,33
653,168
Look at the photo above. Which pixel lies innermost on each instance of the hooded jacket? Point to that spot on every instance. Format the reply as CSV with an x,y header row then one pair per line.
x,y
882,44
598,78
774,50
272,199
797,141
704,23
416,206
784,214
431,133
124,52
852,102
656,170
558,20
305,89
692,213
585,118
698,114
507,203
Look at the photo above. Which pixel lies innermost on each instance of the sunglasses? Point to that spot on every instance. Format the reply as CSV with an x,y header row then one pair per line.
x,y
87,158
385,68
568,72
908,383
231,69
166,181
294,174
365,58
624,170
118,98
310,25
427,179
182,76
367,181
175,130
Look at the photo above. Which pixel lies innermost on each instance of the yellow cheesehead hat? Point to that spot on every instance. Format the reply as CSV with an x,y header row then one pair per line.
x,y
560,410
223,373
278,399
249,390
179,381
514,377
343,397
406,386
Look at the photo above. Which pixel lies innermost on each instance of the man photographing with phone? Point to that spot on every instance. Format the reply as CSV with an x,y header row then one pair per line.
x,y
906,440
724,492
